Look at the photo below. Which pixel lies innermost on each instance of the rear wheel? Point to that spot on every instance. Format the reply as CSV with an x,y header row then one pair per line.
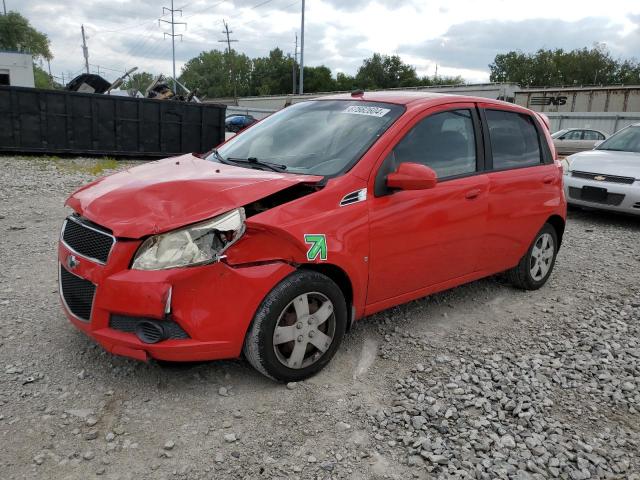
x,y
536,265
297,328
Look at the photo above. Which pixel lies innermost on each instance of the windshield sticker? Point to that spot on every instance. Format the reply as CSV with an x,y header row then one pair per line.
x,y
318,247
369,111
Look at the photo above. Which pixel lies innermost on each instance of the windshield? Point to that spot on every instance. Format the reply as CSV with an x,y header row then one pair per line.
x,y
559,133
627,140
320,137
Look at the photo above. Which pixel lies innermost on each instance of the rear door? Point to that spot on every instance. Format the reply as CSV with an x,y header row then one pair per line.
x,y
589,139
524,184
423,238
571,142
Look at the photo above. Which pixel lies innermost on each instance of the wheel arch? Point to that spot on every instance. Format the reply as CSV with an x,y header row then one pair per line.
x,y
558,223
341,278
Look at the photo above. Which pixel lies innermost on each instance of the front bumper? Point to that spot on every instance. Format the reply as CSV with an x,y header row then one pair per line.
x,y
214,304
630,202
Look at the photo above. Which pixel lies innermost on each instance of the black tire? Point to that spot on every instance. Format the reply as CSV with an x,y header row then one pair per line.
x,y
521,275
259,344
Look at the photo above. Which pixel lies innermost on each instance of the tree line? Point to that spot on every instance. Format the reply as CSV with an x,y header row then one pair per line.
x,y
585,66
223,74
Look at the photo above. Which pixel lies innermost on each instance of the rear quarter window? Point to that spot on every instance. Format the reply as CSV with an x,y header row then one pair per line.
x,y
514,140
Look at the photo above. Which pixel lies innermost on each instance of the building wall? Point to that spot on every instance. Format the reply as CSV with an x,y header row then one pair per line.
x,y
608,123
19,66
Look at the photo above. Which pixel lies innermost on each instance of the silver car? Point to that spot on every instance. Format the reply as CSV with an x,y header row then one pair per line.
x,y
573,140
607,177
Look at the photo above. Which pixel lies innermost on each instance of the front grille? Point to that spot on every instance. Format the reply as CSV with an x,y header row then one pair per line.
x,y
613,199
87,239
603,178
130,324
77,294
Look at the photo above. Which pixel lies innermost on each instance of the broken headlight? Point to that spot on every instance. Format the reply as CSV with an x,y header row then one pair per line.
x,y
194,245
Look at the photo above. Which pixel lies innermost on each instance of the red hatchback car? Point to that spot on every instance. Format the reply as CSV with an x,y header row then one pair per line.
x,y
321,214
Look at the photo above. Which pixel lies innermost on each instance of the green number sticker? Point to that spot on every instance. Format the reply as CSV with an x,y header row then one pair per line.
x,y
318,247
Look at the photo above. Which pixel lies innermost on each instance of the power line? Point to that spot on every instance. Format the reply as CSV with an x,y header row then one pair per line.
x,y
262,18
228,40
173,36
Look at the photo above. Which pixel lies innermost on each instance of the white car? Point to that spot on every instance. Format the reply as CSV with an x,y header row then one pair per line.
x,y
573,140
607,177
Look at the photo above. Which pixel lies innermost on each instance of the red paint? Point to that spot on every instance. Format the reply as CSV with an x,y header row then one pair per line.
x,y
412,176
393,248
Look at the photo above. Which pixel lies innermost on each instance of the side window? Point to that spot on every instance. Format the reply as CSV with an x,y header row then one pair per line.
x,y
514,140
444,141
591,135
574,135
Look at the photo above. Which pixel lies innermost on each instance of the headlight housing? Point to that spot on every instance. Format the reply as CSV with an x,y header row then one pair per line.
x,y
566,165
196,244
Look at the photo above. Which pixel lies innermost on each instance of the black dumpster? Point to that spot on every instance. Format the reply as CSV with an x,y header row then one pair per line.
x,y
62,122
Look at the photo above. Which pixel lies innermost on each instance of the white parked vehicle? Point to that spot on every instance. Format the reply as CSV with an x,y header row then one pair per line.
x,y
607,177
573,140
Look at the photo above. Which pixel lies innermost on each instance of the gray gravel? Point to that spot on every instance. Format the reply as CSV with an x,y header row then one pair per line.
x,y
482,381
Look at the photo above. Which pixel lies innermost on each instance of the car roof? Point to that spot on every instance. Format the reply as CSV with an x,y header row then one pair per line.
x,y
401,97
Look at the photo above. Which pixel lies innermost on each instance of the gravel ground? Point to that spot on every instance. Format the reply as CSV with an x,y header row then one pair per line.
x,y
483,381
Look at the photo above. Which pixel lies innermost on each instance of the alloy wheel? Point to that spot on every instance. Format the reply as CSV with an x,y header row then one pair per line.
x,y
304,331
541,257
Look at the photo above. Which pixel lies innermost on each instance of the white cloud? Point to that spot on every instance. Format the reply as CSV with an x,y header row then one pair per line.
x,y
460,37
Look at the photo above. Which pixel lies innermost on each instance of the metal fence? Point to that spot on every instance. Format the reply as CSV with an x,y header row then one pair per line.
x,y
608,123
50,121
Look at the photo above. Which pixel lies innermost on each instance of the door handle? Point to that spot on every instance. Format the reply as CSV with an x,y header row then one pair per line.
x,y
548,180
471,194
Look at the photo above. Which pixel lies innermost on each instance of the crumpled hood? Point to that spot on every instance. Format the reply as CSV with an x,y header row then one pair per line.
x,y
607,162
160,196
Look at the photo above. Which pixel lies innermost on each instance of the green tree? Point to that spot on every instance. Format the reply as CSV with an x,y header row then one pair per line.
x,y
273,74
318,79
17,34
41,78
138,81
384,71
345,83
559,67
210,73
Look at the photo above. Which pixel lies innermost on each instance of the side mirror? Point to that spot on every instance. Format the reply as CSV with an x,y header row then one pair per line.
x,y
412,176
598,143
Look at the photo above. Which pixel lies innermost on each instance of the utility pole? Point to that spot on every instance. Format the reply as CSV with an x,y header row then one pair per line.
x,y
85,50
228,41
5,6
173,36
295,64
302,52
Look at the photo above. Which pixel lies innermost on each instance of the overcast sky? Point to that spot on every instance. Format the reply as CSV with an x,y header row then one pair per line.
x,y
462,37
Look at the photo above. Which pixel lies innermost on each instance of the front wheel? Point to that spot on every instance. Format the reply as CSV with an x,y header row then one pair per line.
x,y
535,267
297,328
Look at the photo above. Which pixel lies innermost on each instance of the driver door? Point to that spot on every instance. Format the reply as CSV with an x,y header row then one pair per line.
x,y
421,239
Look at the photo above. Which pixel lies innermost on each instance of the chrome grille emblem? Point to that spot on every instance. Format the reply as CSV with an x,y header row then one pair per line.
x,y
600,178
